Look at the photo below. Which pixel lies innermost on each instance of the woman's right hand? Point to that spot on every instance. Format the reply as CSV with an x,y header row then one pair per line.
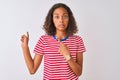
x,y
24,40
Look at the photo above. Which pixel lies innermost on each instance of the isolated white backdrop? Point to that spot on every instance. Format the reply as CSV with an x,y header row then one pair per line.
x,y
98,22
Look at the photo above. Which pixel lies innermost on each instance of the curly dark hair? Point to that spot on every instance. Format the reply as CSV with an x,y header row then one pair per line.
x,y
49,25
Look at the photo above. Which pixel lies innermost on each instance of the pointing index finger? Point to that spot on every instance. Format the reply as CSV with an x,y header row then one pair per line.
x,y
27,34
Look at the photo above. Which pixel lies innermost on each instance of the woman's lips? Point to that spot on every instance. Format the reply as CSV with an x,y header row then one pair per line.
x,y
62,25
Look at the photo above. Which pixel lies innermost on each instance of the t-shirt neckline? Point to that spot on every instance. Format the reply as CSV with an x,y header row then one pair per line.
x,y
64,39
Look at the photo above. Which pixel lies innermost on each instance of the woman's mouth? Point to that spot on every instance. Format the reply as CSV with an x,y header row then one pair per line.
x,y
62,25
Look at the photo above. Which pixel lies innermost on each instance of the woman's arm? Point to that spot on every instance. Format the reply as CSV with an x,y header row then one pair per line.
x,y
32,64
75,66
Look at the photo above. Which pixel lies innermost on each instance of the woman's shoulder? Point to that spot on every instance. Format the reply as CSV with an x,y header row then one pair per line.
x,y
76,36
77,39
44,37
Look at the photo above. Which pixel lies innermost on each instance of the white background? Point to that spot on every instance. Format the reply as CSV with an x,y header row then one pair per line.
x,y
99,26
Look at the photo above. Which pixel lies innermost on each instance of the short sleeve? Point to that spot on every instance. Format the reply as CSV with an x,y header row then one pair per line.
x,y
80,45
38,49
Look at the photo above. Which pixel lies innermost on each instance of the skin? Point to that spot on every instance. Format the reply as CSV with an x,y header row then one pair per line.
x,y
60,20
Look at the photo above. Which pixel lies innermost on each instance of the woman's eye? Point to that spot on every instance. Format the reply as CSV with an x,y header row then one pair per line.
x,y
57,17
66,16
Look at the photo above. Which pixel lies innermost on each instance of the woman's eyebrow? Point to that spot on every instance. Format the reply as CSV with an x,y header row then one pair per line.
x,y
58,13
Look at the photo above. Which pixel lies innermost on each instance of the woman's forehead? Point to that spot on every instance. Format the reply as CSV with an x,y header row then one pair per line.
x,y
60,11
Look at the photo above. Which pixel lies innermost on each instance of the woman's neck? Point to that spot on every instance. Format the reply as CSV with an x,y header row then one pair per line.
x,y
60,35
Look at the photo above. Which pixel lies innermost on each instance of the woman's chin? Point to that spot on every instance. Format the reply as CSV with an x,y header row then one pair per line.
x,y
61,29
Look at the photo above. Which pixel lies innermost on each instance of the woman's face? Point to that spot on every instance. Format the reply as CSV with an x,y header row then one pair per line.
x,y
60,19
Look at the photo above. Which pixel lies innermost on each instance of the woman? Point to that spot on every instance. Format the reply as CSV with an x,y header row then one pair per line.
x,y
62,50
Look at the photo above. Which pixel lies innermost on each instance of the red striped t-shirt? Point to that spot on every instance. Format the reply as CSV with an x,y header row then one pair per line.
x,y
55,65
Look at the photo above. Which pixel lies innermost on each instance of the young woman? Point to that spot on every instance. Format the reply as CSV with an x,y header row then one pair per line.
x,y
61,49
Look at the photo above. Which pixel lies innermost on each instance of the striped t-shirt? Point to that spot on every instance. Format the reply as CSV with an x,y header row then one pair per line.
x,y
55,65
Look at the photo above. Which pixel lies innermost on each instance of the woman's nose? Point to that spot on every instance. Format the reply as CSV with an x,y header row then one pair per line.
x,y
61,19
